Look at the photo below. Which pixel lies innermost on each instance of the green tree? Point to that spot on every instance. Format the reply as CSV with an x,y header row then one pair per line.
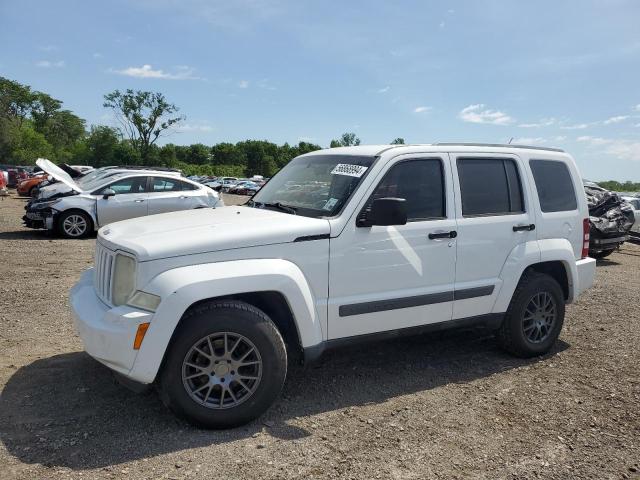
x,y
346,140
199,154
102,144
144,117
29,145
397,141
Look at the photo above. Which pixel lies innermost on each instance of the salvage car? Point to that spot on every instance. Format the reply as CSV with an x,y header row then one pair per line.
x,y
610,218
113,196
635,205
210,304
244,188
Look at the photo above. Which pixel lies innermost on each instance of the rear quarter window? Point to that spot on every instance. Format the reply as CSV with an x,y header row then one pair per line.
x,y
554,185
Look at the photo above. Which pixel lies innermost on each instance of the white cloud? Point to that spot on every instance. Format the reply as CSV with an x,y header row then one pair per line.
x,y
264,83
195,127
545,122
637,108
559,138
49,48
384,89
97,55
49,64
617,119
243,84
478,114
528,141
637,125
619,148
181,72
442,24
421,109
579,126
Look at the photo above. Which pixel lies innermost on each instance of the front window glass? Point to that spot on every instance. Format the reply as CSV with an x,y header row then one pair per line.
x,y
314,186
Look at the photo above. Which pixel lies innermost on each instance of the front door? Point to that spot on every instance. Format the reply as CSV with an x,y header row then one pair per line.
x,y
130,201
386,278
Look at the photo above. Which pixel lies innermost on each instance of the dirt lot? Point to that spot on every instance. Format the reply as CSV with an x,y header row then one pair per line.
x,y
439,406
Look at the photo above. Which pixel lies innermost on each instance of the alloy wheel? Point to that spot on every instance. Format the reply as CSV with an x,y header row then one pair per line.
x,y
539,317
74,225
222,370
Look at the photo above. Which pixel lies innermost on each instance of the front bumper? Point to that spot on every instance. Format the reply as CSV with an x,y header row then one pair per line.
x,y
107,333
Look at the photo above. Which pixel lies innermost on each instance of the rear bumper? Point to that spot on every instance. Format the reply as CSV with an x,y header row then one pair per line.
x,y
107,333
586,272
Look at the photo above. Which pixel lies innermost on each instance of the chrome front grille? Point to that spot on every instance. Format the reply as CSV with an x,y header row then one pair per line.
x,y
103,272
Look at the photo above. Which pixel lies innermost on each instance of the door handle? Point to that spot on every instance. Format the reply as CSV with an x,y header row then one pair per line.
x,y
183,197
524,228
140,200
435,236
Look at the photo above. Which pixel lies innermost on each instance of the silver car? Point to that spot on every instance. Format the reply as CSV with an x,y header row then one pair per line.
x,y
85,206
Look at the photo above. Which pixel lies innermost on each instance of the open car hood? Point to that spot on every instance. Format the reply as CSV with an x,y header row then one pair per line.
x,y
57,173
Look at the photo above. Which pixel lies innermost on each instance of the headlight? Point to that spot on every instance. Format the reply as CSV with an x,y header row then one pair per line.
x,y
46,204
145,301
124,279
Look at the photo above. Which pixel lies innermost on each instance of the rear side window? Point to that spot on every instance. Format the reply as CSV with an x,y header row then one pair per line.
x,y
160,184
554,186
489,186
420,183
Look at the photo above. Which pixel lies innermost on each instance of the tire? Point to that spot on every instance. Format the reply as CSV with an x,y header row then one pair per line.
x,y
74,224
600,255
33,191
526,334
183,380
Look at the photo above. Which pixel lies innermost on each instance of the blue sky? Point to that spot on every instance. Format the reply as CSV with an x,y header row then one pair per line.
x,y
553,73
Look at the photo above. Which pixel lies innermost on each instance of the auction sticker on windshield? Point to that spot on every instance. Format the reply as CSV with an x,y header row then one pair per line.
x,y
349,170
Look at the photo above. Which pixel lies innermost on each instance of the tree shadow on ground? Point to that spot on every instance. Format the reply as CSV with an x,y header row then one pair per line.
x,y
68,410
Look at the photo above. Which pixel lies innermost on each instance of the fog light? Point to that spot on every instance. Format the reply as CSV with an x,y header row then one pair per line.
x,y
145,301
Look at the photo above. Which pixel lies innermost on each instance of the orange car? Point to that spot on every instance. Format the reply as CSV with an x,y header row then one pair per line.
x,y
27,187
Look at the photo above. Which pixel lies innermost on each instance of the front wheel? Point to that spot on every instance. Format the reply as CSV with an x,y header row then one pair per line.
x,y
534,318
226,365
74,224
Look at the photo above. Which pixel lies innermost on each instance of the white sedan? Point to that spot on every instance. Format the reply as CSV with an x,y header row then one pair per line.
x,y
87,206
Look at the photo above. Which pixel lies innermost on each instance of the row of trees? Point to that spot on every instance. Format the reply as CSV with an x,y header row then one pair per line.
x,y
33,124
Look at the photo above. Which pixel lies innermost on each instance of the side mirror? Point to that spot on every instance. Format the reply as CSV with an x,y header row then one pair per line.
x,y
108,193
384,212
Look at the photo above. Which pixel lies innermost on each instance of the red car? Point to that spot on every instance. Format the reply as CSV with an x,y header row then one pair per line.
x,y
3,182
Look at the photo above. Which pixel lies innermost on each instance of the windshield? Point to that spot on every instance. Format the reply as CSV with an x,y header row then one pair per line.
x,y
315,185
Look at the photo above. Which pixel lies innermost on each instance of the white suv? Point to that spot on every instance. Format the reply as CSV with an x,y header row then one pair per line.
x,y
111,195
378,240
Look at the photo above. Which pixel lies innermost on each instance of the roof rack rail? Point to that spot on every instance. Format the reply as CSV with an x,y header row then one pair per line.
x,y
505,145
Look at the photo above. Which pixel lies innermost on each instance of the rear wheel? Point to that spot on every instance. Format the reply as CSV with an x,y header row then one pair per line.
x,y
225,366
74,224
535,316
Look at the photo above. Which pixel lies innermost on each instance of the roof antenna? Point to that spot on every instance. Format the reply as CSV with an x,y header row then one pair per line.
x,y
510,140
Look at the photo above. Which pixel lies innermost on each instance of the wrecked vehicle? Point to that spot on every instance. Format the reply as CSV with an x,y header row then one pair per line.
x,y
118,195
610,219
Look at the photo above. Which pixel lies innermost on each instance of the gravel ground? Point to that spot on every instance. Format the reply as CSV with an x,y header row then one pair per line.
x,y
448,405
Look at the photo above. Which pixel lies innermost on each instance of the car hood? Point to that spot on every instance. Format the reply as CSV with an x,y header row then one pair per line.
x,y
57,173
206,230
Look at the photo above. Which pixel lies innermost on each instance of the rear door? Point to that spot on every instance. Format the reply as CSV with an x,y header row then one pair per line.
x,y
494,218
168,194
130,201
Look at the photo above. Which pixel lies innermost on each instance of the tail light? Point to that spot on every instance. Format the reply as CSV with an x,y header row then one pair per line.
x,y
585,237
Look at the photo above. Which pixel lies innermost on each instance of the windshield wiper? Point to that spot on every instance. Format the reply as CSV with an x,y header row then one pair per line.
x,y
280,206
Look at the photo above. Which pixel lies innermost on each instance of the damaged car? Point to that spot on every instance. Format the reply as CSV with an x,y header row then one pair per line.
x,y
610,220
119,194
